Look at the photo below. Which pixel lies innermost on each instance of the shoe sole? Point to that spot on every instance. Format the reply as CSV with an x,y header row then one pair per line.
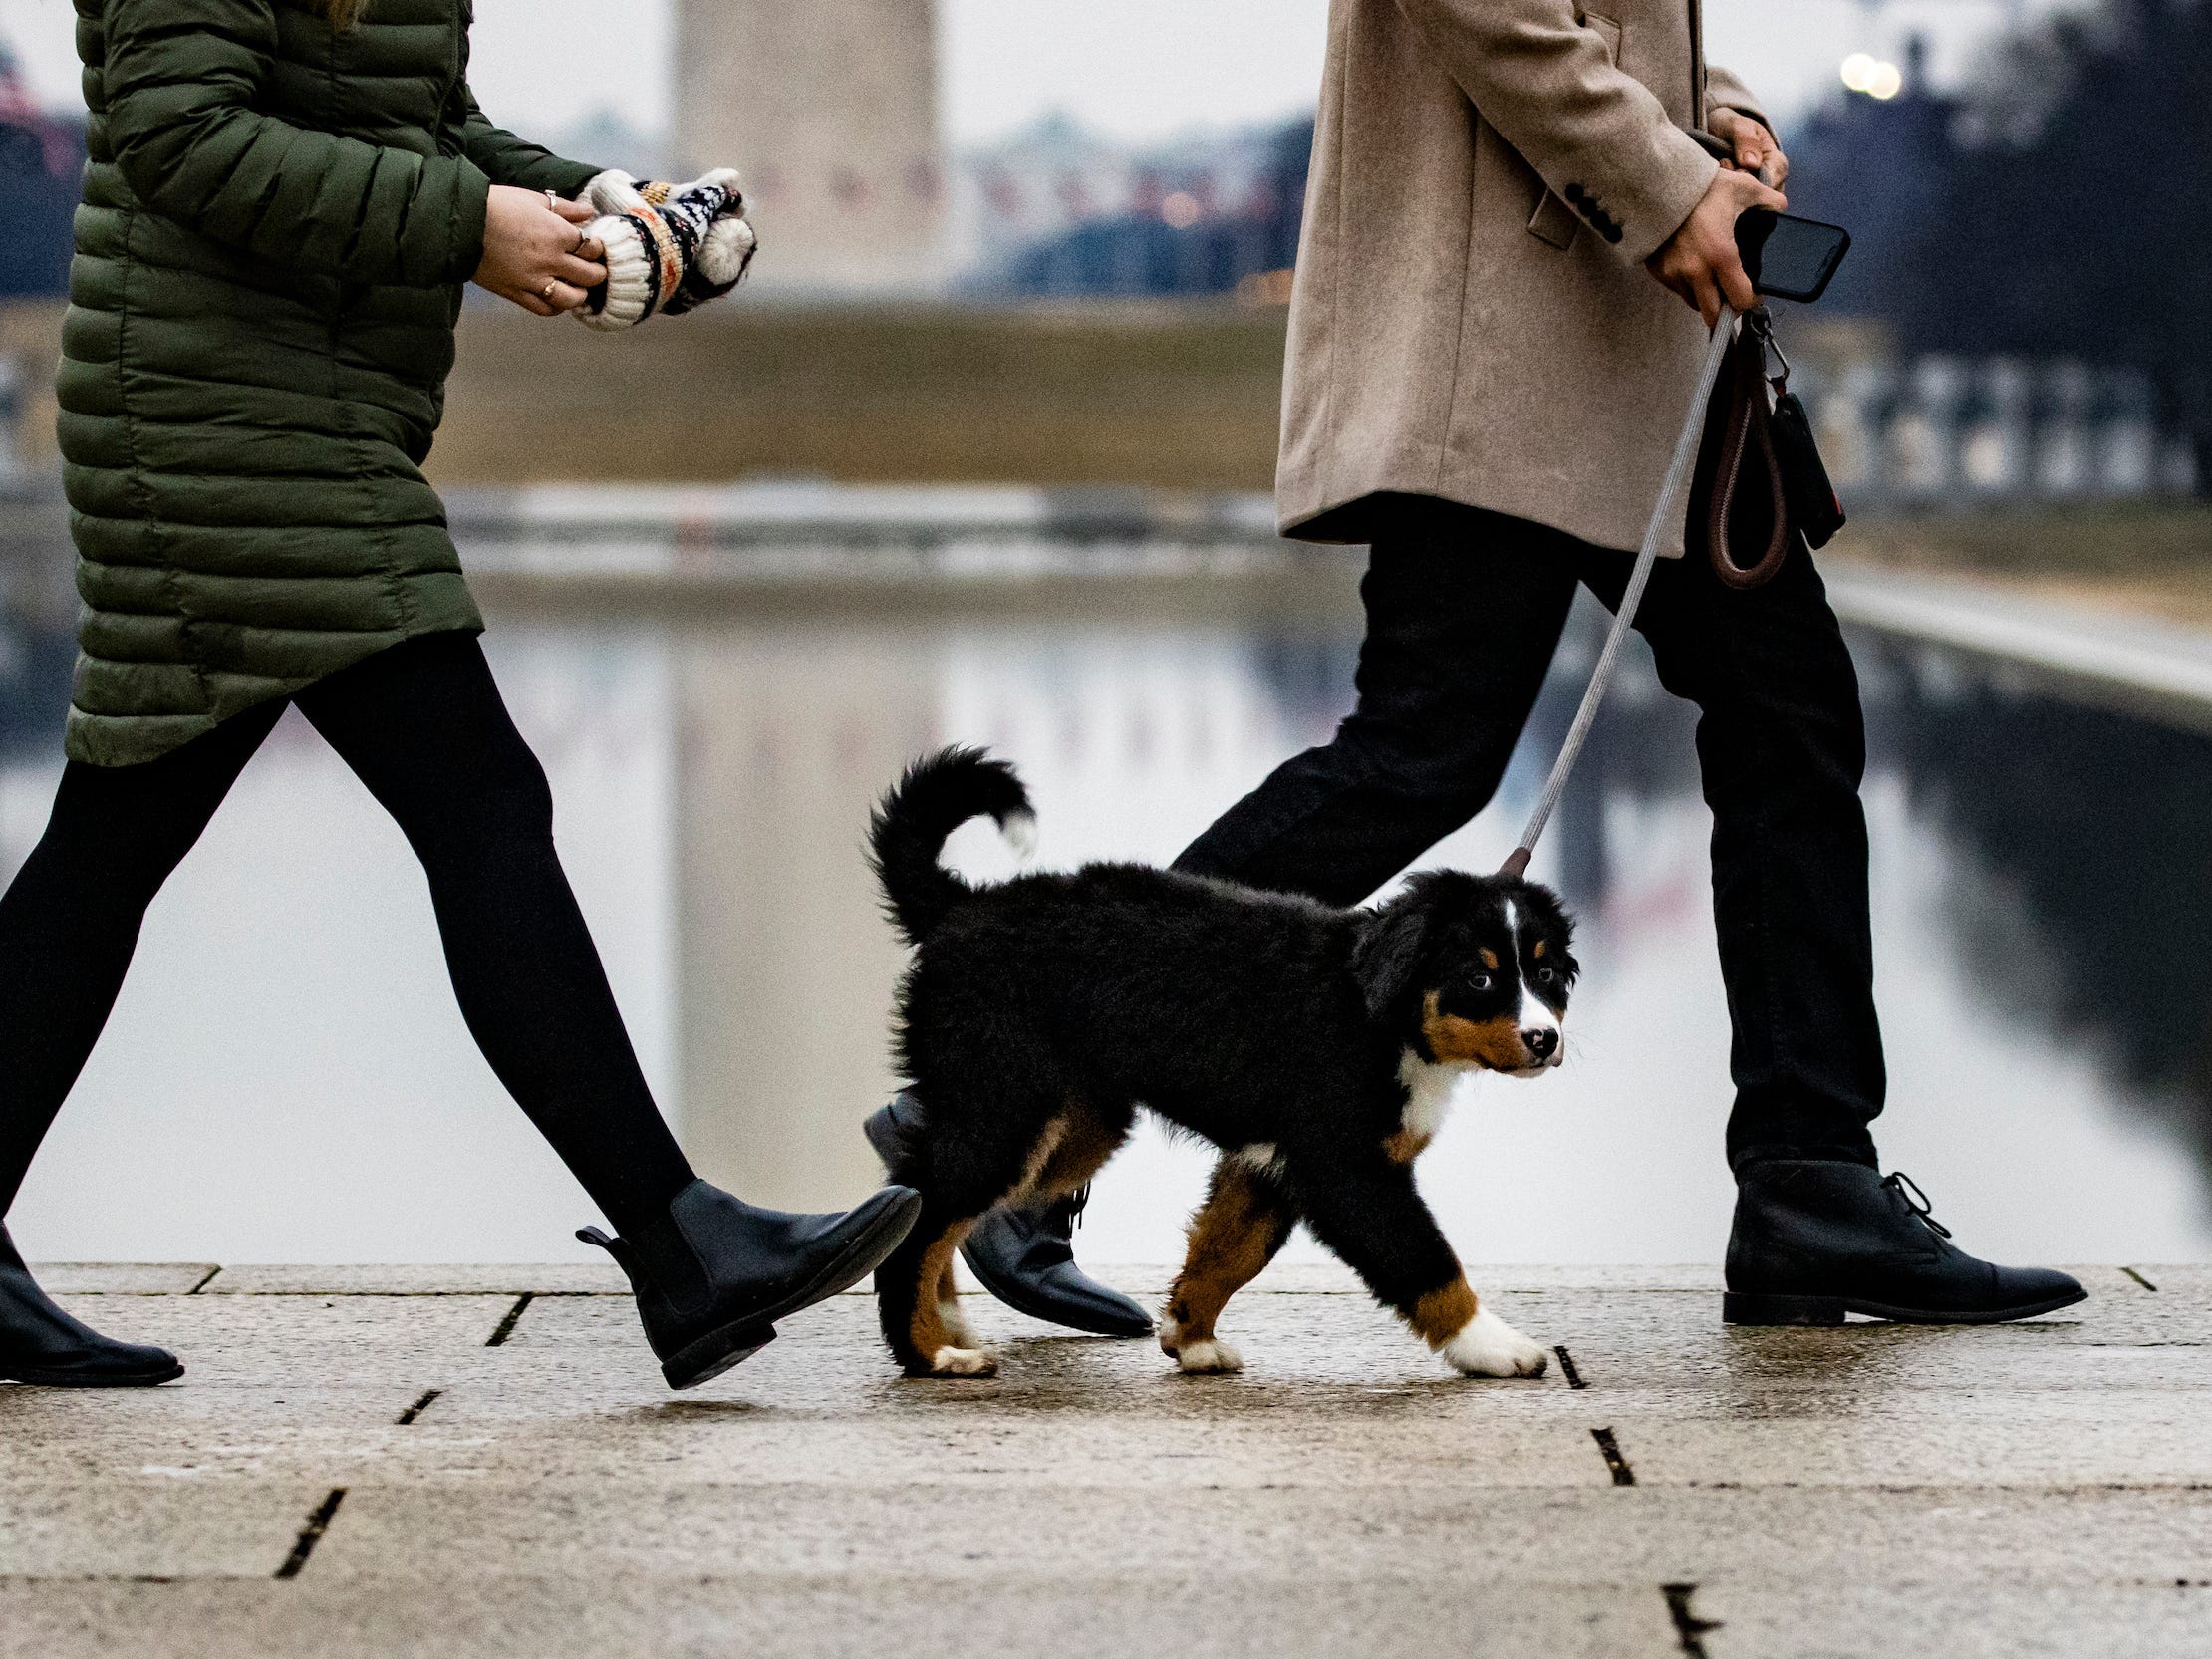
x,y
1741,1308
1017,1298
710,1355
52,1379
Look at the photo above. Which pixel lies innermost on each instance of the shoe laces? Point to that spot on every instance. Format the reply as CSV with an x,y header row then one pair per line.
x,y
1916,1201
1077,1202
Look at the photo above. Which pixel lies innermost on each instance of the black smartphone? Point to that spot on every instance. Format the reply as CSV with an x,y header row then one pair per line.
x,y
1788,257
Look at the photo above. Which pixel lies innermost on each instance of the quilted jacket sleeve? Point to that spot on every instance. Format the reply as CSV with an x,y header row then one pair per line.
x,y
181,78
1594,133
508,160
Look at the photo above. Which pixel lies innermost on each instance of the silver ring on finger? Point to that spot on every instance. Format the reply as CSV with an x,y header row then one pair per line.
x,y
552,201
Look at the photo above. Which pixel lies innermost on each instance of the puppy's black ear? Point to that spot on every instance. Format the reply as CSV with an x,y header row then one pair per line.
x,y
1387,957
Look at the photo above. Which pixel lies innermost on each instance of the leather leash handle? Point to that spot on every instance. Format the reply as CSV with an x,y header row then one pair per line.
x,y
1749,424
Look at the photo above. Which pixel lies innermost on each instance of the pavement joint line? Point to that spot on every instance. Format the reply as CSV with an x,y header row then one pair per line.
x,y
416,1296
1689,1630
203,1284
2139,1279
429,1396
39,1580
498,1338
1623,1474
1568,1369
312,1534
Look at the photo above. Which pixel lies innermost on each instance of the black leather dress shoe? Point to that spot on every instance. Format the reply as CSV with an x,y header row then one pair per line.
x,y
1025,1258
1815,1239
39,1344
712,1280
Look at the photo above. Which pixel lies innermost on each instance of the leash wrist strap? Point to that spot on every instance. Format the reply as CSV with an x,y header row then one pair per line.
x,y
1602,677
1749,428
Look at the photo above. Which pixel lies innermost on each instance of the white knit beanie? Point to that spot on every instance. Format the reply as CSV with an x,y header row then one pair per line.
x,y
670,247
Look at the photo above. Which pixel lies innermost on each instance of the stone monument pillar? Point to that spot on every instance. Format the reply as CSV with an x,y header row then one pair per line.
x,y
829,109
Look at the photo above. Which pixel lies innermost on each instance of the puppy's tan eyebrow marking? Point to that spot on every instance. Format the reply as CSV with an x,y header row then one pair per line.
x,y
1539,950
1489,957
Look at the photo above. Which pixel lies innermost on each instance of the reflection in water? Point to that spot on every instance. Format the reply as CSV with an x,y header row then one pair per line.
x,y
2091,908
287,1079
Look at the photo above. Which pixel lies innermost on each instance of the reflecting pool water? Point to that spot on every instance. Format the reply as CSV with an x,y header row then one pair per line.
x,y
286,1077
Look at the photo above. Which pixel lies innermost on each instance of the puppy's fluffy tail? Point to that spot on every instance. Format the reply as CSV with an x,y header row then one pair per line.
x,y
905,837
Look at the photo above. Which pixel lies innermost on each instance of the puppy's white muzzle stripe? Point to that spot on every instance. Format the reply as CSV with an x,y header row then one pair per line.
x,y
1535,1015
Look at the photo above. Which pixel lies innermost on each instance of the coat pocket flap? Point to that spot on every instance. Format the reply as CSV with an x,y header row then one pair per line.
x,y
1554,221
1606,30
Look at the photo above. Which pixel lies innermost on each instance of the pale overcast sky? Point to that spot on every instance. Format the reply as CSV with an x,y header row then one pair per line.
x,y
1139,68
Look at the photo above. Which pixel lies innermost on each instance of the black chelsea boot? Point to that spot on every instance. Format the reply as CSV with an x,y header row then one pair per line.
x,y
1815,1239
39,1344
1025,1258
712,1280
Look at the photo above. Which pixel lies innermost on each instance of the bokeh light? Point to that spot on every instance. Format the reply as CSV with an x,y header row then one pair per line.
x,y
1876,77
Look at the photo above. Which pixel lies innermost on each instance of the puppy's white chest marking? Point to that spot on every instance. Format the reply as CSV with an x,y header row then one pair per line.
x,y
1429,1089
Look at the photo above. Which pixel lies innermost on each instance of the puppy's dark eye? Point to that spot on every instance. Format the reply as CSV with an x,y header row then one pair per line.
x,y
1480,981
1546,976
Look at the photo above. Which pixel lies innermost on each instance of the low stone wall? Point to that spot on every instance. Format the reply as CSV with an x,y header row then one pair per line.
x,y
1176,397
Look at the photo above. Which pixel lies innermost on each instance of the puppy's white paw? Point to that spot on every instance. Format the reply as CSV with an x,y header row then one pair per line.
x,y
1169,1332
963,1362
1208,1358
958,1331
1489,1347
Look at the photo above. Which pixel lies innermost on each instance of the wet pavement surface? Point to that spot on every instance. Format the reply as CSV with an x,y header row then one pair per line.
x,y
354,1464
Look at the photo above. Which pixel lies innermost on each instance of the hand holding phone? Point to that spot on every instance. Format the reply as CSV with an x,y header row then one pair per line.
x,y
1785,257
1700,262
1788,257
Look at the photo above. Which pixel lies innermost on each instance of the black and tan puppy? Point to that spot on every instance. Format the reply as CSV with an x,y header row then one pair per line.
x,y
1316,1048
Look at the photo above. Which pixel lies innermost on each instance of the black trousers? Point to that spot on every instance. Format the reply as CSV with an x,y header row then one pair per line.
x,y
1464,611
423,726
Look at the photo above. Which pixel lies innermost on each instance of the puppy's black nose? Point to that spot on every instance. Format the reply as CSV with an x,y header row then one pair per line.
x,y
1541,1041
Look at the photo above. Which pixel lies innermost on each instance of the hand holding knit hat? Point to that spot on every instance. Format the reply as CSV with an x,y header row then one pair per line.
x,y
670,247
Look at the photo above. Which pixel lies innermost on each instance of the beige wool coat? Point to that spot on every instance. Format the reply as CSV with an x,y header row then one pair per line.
x,y
1470,315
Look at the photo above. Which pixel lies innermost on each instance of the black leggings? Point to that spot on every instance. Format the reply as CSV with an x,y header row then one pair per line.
x,y
423,726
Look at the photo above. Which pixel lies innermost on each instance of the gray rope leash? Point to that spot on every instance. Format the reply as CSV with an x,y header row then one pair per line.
x,y
1602,677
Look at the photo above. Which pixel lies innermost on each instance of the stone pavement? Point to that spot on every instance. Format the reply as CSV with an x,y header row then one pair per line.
x,y
482,1460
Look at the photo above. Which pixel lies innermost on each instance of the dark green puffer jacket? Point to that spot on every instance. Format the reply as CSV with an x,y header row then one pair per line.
x,y
277,221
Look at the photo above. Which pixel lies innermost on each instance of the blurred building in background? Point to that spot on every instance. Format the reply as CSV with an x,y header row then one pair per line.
x,y
1874,165
2034,245
41,157
1935,407
2022,318
1062,212
605,139
830,109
